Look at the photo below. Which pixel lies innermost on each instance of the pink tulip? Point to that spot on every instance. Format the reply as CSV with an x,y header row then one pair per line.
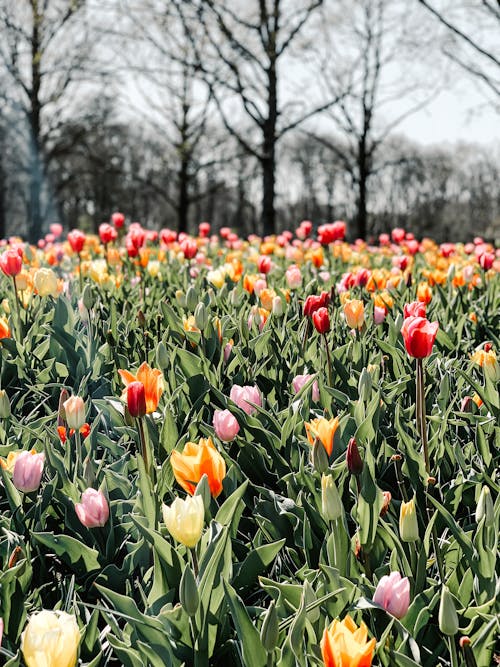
x,y
227,351
393,594
378,314
300,380
1,630
225,425
27,473
244,396
57,229
93,511
293,277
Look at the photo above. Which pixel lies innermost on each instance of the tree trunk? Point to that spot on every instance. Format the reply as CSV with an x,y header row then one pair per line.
x,y
36,166
268,161
183,201
362,189
268,194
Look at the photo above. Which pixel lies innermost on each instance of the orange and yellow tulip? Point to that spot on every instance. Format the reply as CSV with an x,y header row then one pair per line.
x,y
323,429
345,645
196,461
354,312
151,378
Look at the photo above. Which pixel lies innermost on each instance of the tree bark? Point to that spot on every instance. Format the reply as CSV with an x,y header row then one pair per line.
x,y
183,201
36,167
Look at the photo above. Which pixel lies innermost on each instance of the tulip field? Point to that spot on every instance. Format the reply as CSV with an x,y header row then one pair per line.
x,y
246,452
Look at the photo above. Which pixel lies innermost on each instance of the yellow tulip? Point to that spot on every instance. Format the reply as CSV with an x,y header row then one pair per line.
x,y
408,524
323,429
50,639
345,645
184,520
354,311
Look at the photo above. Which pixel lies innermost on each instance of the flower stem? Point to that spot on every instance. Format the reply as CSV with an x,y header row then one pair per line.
x,y
453,652
194,559
329,361
142,438
80,273
17,307
78,453
421,423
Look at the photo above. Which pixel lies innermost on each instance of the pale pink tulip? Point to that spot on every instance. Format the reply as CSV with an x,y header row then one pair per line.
x,y
225,425
393,594
378,315
300,380
27,473
244,396
93,511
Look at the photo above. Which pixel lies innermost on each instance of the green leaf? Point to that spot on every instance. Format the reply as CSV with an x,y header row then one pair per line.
x,y
70,550
254,654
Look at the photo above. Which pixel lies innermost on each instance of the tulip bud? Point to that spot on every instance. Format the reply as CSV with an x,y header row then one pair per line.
x,y
188,592
448,619
27,473
141,319
201,316
319,456
408,524
269,631
74,409
136,399
365,385
162,355
184,520
277,306
484,509
5,410
353,458
191,298
331,503
235,297
88,297
93,511
225,425
180,298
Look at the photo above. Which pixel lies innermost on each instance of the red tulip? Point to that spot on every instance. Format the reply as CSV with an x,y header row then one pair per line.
x,y
118,219
419,335
353,458
264,264
107,233
136,399
76,239
11,262
414,309
204,229
189,248
321,320
486,260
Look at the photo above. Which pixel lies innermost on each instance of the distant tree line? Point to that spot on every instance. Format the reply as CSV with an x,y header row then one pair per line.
x,y
253,114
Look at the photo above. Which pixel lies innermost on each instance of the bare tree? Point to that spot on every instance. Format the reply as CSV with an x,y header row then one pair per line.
x,y
44,51
249,45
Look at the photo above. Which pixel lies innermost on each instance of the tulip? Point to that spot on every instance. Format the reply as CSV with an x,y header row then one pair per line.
x,y
324,430
188,592
11,262
487,359
56,229
184,520
93,511
269,632
45,281
50,639
151,378
353,458
196,461
393,594
321,320
486,260
27,471
136,399
300,380
419,335
226,425
204,229
189,248
345,645
331,503
447,615
118,219
408,523
5,410
245,396
424,293
354,312
76,240
485,509
264,264
74,408
293,277
414,309
107,233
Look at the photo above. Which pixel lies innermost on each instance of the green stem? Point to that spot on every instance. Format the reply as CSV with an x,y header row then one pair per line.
x,y
329,361
78,454
453,652
270,658
17,307
80,273
421,413
194,559
142,438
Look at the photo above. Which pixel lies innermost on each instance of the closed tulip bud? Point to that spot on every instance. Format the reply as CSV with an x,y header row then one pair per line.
x,y
201,316
408,524
136,399
225,425
447,617
277,308
484,509
192,298
27,473
93,511
161,355
188,592
74,409
51,639
88,299
331,503
319,456
269,631
365,385
5,410
353,458
180,297
184,520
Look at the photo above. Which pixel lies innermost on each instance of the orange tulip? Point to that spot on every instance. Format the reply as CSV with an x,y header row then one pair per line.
x,y
151,378
354,311
196,461
4,328
424,292
345,645
323,429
